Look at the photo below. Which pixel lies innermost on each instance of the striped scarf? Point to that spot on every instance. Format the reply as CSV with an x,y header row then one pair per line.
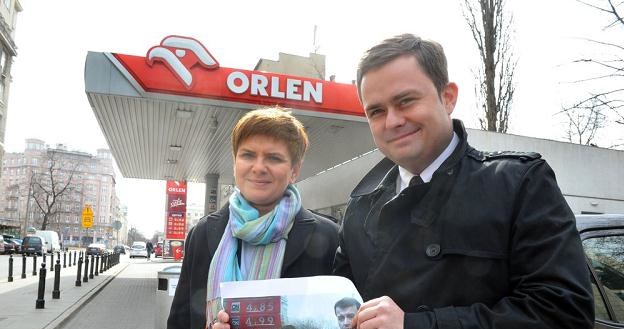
x,y
264,242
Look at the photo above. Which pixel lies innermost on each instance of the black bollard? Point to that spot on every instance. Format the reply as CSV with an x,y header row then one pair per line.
x,y
34,264
78,282
65,259
91,270
74,257
23,266
69,256
56,293
85,277
10,279
102,264
42,274
51,260
97,263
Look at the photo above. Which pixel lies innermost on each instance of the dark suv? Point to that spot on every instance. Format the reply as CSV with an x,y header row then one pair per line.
x,y
32,245
603,242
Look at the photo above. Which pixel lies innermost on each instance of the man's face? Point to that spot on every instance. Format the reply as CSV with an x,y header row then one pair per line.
x,y
345,315
410,121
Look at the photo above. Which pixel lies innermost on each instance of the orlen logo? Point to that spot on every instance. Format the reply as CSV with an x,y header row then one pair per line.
x,y
177,188
180,54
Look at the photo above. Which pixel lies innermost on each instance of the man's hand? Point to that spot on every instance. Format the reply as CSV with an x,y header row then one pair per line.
x,y
222,322
379,313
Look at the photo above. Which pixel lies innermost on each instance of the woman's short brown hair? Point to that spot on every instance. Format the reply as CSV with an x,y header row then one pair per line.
x,y
272,122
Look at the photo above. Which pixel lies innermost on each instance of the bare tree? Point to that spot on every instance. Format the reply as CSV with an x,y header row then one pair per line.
x,y
50,186
608,96
491,28
584,121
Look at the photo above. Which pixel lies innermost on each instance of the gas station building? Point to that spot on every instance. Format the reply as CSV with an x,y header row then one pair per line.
x,y
168,115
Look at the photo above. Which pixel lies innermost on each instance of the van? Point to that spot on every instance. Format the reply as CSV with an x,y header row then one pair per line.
x,y
51,243
33,244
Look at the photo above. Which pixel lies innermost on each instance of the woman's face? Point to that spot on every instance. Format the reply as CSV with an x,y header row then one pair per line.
x,y
263,169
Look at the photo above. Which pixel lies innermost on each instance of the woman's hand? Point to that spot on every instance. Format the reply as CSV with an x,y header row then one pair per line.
x,y
222,321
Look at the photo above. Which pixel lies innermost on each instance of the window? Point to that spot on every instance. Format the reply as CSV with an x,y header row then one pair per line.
x,y
606,255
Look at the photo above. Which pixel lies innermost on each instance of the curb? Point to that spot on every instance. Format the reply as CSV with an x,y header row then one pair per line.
x,y
74,308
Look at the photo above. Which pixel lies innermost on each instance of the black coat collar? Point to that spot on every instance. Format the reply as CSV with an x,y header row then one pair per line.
x,y
298,238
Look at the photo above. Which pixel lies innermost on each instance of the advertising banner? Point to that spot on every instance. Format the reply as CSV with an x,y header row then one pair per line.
x,y
175,225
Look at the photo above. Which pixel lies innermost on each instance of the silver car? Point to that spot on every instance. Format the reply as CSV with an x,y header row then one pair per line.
x,y
138,249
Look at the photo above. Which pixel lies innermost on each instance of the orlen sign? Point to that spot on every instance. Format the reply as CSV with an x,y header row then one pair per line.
x,y
183,66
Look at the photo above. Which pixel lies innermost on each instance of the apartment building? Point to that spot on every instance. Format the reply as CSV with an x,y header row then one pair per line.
x,y
8,19
84,179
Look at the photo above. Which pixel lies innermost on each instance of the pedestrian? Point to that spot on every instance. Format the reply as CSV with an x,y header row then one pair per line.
x,y
441,235
263,232
149,247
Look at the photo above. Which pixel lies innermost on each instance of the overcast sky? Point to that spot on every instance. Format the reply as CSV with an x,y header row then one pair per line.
x,y
48,101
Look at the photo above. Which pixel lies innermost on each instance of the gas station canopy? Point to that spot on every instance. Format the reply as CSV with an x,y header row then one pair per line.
x,y
168,115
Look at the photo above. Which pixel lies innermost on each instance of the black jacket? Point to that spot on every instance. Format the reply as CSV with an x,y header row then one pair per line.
x,y
310,251
489,242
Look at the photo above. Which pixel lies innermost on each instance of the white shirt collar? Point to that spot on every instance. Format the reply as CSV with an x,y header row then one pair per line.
x,y
405,176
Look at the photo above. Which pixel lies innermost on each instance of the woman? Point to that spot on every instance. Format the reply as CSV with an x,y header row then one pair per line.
x,y
263,217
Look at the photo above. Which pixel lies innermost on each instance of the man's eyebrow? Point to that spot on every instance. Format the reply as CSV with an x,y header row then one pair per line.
x,y
410,92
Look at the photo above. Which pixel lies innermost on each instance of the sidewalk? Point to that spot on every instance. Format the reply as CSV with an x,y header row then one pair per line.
x,y
19,297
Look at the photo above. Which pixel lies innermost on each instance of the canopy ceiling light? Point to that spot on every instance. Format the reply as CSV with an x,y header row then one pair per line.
x,y
184,114
175,147
172,161
214,124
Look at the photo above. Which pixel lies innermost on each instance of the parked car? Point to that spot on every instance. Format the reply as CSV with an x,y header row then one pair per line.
x,y
96,249
7,244
158,249
33,244
1,245
120,249
138,249
17,244
603,242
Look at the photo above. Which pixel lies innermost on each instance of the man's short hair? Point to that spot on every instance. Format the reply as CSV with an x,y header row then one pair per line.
x,y
347,302
428,53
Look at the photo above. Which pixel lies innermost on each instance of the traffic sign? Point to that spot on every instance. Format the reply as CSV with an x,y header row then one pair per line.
x,y
87,217
117,225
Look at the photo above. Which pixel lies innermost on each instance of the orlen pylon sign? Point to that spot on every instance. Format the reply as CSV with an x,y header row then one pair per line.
x,y
183,66
175,224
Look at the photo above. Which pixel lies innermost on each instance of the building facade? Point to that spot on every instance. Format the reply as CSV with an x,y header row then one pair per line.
x,y
8,19
79,179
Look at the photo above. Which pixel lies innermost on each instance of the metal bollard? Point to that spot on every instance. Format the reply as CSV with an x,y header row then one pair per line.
x,y
56,293
97,263
23,266
85,277
91,271
34,264
102,264
78,282
45,256
42,274
65,259
10,279
51,260
74,257
69,257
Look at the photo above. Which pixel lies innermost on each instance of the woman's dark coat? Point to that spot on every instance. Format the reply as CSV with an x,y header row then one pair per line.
x,y
310,250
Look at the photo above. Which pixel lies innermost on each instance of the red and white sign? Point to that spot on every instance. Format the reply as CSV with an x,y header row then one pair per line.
x,y
175,226
183,66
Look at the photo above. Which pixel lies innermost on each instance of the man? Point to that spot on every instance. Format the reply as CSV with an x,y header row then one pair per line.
x,y
149,247
345,310
440,235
